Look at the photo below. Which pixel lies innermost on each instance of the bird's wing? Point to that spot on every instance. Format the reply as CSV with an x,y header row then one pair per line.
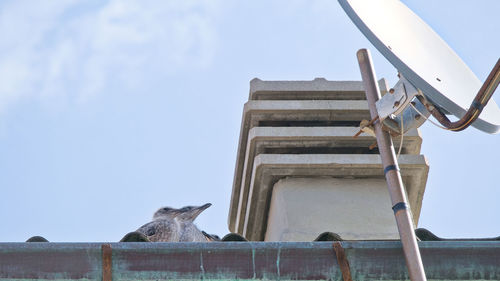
x,y
149,229
160,231
190,233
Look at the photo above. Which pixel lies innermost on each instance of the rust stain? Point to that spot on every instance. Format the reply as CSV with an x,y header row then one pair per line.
x,y
342,260
106,262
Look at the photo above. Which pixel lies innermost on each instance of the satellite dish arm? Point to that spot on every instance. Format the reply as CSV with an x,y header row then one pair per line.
x,y
480,101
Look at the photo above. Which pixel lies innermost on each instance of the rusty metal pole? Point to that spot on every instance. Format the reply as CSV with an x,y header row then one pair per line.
x,y
392,174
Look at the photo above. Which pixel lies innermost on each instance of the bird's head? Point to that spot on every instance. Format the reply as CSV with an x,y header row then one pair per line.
x,y
188,213
165,213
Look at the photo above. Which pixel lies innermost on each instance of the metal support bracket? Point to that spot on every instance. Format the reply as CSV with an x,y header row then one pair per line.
x,y
395,112
396,100
392,175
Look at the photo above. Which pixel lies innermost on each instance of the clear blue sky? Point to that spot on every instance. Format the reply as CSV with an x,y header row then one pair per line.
x,y
112,109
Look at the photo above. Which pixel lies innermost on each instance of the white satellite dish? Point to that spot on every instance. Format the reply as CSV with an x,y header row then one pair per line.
x,y
423,58
433,80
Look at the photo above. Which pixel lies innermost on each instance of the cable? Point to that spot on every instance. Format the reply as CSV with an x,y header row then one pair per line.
x,y
434,123
402,134
482,97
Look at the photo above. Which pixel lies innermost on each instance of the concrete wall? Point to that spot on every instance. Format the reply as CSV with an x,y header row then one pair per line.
x,y
356,209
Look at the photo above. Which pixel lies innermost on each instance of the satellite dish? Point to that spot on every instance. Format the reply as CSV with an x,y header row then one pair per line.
x,y
425,61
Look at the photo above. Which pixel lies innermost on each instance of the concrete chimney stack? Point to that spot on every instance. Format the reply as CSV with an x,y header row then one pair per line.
x,y
299,171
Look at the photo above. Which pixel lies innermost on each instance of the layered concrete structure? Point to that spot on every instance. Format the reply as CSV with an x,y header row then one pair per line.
x,y
299,172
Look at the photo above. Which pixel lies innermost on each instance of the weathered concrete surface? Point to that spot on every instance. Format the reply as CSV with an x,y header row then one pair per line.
x,y
373,260
306,140
356,209
270,168
293,127
317,89
285,140
256,113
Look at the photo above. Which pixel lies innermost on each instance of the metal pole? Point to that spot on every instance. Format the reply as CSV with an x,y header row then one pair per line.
x,y
392,174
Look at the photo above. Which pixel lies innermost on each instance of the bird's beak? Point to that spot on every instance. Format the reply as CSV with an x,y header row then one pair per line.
x,y
204,207
196,211
200,209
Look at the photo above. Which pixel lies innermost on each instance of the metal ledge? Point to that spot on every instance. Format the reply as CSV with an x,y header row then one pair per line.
x,y
380,260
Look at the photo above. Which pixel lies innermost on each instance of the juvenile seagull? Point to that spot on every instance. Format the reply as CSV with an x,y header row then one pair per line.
x,y
175,225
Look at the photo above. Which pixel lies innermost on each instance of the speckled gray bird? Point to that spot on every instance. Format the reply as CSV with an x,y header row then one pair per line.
x,y
175,225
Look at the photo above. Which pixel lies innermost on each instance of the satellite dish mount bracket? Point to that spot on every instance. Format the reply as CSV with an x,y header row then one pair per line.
x,y
400,110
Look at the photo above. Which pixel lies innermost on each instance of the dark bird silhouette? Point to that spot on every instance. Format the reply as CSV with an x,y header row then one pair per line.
x,y
37,239
175,225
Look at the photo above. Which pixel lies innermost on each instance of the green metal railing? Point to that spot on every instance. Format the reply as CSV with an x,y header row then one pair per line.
x,y
368,260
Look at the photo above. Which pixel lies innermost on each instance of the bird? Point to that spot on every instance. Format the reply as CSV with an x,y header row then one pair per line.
x,y
175,225
211,237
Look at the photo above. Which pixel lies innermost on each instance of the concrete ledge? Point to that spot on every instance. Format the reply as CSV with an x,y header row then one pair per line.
x,y
288,139
317,89
373,260
256,112
269,168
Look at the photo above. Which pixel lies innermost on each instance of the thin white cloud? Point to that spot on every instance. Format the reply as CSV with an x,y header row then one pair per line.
x,y
77,50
